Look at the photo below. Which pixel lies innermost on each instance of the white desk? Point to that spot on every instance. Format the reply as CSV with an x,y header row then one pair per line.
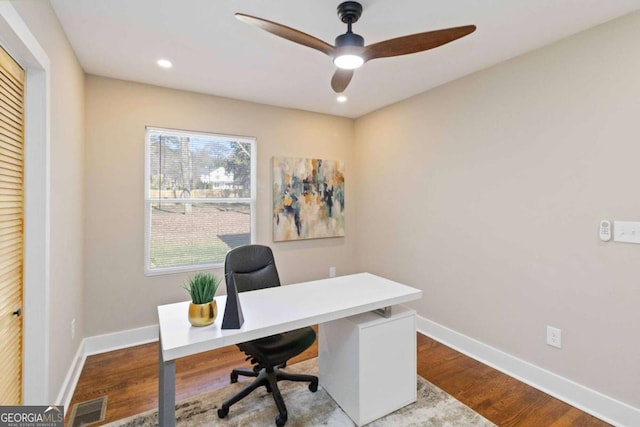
x,y
267,312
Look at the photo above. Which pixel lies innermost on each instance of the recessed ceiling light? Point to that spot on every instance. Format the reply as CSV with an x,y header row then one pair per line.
x,y
164,63
341,98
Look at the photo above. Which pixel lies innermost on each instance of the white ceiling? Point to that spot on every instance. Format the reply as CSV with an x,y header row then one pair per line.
x,y
216,54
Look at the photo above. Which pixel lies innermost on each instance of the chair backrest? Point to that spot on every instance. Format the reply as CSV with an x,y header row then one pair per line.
x,y
250,267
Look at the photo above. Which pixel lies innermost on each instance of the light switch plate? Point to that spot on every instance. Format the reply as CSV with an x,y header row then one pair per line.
x,y
626,231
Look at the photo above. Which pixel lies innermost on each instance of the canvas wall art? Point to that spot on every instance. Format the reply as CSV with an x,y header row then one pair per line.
x,y
308,198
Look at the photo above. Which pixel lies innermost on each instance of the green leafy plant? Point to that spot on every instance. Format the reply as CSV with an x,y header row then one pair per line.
x,y
202,287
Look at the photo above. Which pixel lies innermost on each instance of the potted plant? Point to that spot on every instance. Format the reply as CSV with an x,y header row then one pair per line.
x,y
203,308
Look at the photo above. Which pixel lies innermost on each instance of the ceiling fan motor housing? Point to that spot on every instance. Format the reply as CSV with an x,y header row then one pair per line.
x,y
349,39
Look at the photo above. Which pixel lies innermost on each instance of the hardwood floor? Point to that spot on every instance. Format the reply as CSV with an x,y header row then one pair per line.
x,y
130,379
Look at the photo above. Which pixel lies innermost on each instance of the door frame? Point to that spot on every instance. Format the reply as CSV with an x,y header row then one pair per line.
x,y
17,39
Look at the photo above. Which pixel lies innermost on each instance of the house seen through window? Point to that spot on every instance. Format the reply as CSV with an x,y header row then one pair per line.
x,y
199,198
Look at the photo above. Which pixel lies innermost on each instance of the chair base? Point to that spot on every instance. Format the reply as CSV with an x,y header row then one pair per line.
x,y
269,378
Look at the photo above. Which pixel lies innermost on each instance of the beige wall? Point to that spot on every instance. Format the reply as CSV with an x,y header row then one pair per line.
x,y
487,192
118,295
66,189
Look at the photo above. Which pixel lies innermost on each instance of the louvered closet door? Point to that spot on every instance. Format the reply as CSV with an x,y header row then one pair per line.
x,y
11,228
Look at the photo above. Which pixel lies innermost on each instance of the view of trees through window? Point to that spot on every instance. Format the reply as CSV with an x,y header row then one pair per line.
x,y
199,197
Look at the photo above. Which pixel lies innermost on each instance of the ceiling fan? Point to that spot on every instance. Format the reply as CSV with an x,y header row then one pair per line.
x,y
349,51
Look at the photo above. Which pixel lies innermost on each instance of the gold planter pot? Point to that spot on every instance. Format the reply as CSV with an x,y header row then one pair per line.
x,y
203,314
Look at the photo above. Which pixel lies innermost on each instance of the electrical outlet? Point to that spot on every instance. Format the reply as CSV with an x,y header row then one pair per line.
x,y
554,337
332,272
73,328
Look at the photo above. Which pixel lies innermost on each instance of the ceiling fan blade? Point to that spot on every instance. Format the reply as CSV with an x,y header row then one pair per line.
x,y
341,79
288,33
415,42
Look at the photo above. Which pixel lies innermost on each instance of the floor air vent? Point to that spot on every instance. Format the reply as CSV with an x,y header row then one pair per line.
x,y
89,412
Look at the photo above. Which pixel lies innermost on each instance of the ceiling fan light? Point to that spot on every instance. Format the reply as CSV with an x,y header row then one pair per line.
x,y
348,51
348,61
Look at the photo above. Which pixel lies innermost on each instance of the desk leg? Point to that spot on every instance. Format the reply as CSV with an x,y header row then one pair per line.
x,y
166,391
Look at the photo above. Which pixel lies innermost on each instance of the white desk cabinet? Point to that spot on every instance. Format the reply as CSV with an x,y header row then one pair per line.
x,y
368,363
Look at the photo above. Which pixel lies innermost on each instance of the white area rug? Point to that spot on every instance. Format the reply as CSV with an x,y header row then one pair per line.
x,y
433,407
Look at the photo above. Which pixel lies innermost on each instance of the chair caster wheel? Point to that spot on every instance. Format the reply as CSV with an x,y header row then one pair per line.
x,y
280,420
313,386
223,412
234,378
268,388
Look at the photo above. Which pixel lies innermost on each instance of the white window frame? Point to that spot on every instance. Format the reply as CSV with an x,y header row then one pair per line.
x,y
148,271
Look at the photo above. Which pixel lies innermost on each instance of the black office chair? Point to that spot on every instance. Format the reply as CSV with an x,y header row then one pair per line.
x,y
249,268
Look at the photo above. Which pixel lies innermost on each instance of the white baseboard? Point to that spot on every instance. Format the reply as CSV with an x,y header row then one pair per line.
x,y
590,401
117,340
101,344
71,380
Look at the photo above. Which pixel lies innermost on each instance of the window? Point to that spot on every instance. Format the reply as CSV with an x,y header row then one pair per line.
x,y
199,196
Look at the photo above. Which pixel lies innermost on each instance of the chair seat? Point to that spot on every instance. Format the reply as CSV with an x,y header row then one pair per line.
x,y
277,349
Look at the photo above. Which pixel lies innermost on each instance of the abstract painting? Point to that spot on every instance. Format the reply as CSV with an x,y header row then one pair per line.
x,y
308,198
